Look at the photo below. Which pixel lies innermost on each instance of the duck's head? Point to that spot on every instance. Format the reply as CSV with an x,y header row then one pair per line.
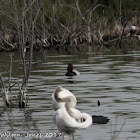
x,y
70,68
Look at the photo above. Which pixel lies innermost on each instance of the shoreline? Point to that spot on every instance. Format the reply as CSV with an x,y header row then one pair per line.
x,y
115,42
47,25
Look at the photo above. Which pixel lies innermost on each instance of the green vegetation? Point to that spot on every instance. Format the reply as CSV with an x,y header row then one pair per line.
x,y
46,23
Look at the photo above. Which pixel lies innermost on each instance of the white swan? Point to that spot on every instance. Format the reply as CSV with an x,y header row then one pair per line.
x,y
66,119
59,97
62,95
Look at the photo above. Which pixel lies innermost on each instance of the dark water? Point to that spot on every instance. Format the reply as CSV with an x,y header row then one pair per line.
x,y
109,76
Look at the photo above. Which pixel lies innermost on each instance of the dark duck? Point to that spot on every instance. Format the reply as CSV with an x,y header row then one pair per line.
x,y
70,71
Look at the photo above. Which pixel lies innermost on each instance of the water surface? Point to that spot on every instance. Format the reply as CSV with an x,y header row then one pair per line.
x,y
108,76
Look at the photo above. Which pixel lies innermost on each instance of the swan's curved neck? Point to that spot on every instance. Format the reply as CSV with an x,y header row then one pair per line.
x,y
56,94
69,111
79,116
57,97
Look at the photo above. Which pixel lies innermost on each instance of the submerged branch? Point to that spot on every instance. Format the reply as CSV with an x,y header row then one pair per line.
x,y
4,92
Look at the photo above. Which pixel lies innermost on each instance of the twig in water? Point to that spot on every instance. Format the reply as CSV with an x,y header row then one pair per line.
x,y
115,133
4,92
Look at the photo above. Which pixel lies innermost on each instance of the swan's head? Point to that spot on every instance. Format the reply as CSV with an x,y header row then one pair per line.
x,y
68,100
61,96
58,97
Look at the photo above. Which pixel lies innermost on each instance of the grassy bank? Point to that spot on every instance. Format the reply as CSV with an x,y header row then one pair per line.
x,y
48,23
